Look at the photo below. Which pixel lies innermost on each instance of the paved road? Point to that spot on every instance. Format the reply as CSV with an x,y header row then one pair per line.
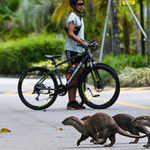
x,y
37,130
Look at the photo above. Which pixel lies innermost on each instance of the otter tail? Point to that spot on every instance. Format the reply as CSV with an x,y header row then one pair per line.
x,y
122,132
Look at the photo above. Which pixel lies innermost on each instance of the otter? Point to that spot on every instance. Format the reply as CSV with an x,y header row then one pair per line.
x,y
142,121
124,122
98,123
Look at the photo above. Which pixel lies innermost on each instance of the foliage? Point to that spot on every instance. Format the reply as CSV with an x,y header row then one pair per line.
x,y
48,64
7,24
131,69
16,56
19,18
31,10
122,61
134,77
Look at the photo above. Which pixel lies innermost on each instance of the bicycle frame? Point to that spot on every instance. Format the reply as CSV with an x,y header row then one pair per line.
x,y
86,56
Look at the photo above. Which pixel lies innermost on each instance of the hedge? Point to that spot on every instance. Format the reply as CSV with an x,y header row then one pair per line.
x,y
17,56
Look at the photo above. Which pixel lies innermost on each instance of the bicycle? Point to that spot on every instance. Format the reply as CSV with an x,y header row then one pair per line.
x,y
98,85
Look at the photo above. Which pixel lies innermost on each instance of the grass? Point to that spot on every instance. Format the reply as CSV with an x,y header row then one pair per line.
x,y
134,77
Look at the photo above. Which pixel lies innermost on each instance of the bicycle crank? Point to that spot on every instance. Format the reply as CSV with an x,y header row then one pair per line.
x,y
61,90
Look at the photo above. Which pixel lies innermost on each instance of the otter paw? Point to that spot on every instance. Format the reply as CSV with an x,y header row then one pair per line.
x,y
95,142
107,145
132,142
92,140
147,145
78,143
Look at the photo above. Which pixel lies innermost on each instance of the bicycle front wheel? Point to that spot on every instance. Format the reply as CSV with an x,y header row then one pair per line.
x,y
99,93
37,95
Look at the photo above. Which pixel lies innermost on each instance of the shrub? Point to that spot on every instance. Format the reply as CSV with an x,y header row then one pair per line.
x,y
134,77
17,56
120,62
131,69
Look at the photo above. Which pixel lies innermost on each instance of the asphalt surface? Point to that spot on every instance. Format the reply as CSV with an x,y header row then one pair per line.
x,y
43,130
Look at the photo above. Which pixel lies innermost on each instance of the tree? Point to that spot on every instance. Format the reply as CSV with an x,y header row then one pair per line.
x,y
7,10
34,15
115,29
148,31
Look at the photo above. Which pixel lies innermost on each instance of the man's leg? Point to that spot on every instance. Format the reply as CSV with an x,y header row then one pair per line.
x,y
72,91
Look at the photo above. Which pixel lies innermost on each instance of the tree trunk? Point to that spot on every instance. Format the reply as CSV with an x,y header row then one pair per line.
x,y
126,35
115,29
148,31
138,41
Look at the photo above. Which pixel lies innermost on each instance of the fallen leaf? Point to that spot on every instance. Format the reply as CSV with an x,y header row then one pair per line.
x,y
4,130
59,129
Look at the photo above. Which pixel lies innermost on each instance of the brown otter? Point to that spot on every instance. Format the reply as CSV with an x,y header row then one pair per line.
x,y
142,121
124,122
98,123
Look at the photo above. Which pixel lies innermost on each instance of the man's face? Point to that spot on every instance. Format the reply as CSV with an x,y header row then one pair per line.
x,y
80,5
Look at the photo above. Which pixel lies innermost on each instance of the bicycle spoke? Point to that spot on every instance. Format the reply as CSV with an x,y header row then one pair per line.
x,y
34,94
100,92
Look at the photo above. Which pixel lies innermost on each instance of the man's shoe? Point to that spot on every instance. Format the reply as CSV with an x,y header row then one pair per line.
x,y
72,105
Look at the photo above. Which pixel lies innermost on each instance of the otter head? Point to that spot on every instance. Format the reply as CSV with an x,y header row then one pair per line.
x,y
141,121
70,121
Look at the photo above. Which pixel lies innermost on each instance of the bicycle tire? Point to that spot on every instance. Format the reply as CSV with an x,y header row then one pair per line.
x,y
26,86
95,97
108,67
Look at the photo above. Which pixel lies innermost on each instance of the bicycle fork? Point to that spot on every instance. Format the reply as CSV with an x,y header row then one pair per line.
x,y
98,83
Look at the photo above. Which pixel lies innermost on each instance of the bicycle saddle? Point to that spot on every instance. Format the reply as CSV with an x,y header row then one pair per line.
x,y
52,56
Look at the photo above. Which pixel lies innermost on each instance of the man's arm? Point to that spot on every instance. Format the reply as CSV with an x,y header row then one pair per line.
x,y
71,34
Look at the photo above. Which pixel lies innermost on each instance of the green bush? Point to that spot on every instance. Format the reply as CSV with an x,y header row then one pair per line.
x,y
131,69
17,56
120,62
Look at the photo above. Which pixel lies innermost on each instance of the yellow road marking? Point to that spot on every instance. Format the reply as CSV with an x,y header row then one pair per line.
x,y
123,103
132,105
11,92
126,88
137,89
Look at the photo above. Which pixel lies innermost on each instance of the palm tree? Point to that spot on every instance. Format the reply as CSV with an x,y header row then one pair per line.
x,y
35,14
60,11
7,11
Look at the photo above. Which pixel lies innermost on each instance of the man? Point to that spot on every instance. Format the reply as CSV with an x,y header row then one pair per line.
x,y
71,47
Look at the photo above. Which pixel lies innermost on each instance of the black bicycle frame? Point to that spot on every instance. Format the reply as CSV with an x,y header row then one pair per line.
x,y
86,55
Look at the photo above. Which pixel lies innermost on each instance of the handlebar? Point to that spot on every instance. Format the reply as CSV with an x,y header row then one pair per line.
x,y
92,44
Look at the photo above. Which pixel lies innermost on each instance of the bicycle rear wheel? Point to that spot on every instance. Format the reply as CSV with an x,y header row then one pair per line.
x,y
99,94
31,95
